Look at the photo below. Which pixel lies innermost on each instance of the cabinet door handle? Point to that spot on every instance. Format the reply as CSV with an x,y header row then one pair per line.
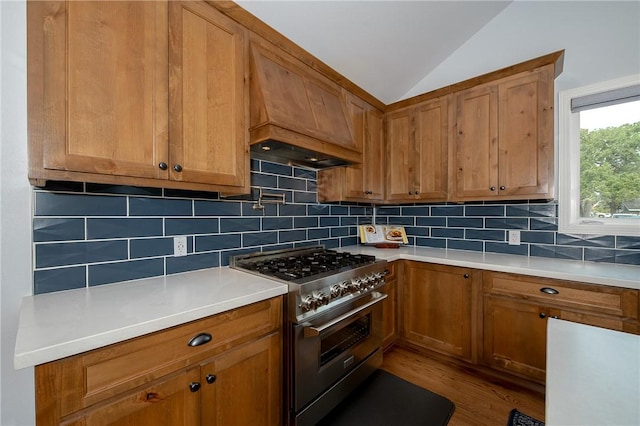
x,y
194,386
555,317
466,275
200,339
177,168
502,188
493,188
542,315
410,192
210,378
549,290
163,166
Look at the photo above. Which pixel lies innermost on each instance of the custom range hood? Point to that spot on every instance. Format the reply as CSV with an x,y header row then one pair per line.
x,y
297,115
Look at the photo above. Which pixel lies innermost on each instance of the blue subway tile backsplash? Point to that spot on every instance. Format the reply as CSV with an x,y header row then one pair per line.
x,y
94,234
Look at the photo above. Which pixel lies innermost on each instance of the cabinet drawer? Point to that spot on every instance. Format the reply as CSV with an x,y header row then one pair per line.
x,y
102,373
600,299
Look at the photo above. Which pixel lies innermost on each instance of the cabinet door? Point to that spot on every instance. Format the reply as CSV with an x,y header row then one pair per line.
x,y
167,402
390,313
208,132
400,156
476,143
98,87
515,336
526,135
365,181
438,306
243,386
431,140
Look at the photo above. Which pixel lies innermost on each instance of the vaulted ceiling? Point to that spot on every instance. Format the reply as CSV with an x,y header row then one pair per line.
x,y
386,47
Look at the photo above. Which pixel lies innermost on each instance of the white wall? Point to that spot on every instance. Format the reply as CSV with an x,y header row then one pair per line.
x,y
16,387
601,41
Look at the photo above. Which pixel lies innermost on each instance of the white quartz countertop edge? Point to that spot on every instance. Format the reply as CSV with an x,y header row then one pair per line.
x,y
616,275
56,325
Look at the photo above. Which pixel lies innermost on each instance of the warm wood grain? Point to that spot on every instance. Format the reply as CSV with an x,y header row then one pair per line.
x,y
515,337
400,158
555,59
439,308
262,30
390,307
516,313
431,149
248,385
503,146
288,95
360,182
479,399
99,92
208,91
417,146
97,75
167,402
107,374
475,146
598,299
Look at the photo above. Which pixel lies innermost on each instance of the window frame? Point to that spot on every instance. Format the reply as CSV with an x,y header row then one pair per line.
x,y
569,220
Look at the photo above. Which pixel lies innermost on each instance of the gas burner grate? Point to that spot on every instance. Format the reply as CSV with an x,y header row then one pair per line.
x,y
293,267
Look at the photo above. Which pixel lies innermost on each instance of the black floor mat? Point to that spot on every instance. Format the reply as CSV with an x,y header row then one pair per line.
x,y
385,400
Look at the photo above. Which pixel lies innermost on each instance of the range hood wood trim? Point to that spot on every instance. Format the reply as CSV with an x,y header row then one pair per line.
x,y
293,104
272,132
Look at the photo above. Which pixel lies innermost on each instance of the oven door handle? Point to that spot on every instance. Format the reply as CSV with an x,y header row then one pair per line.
x,y
315,331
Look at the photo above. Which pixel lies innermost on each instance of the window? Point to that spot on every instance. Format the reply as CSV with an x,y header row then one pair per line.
x,y
599,158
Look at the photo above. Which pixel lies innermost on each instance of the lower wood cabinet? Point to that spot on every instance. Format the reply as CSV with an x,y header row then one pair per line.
x,y
439,308
390,306
233,377
516,310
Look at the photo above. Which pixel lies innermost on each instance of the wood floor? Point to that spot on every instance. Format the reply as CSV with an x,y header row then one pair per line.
x,y
479,401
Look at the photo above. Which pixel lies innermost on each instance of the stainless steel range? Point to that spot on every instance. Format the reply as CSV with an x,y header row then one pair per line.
x,y
334,323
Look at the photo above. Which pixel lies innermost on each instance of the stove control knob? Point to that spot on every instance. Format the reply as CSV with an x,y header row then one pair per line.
x,y
320,299
306,303
337,290
356,284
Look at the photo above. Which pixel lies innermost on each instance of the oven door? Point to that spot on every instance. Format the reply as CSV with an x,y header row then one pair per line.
x,y
329,347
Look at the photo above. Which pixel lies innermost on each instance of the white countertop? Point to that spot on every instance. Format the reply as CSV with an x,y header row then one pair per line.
x,y
57,325
593,376
616,275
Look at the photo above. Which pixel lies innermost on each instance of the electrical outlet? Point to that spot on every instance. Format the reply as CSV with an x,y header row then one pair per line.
x,y
180,246
514,238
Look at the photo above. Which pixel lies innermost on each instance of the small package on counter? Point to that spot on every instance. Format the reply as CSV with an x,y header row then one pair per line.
x,y
382,234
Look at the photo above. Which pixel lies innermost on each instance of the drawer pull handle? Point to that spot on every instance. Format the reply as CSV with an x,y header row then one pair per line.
x,y
210,378
194,386
153,397
200,339
549,290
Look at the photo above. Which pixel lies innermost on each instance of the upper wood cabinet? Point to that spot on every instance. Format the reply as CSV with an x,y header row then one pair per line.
x,y
207,110
105,80
360,182
502,145
417,140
